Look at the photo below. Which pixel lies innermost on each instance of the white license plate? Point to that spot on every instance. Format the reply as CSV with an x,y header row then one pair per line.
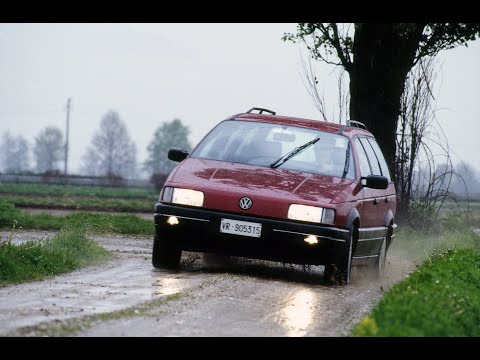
x,y
241,228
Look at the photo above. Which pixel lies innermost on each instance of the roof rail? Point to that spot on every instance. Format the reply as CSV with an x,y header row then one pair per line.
x,y
358,124
261,110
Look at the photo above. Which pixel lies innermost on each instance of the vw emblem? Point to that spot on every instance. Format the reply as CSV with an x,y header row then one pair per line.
x,y
245,203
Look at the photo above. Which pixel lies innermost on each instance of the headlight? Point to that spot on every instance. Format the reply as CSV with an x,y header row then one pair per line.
x,y
187,197
305,213
182,196
311,214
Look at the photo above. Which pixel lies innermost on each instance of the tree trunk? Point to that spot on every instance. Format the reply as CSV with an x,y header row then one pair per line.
x,y
382,58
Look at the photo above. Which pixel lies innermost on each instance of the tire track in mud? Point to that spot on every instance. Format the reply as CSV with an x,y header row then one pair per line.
x,y
242,298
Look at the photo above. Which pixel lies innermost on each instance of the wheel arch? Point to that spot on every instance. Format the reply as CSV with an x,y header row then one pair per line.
x,y
353,223
389,218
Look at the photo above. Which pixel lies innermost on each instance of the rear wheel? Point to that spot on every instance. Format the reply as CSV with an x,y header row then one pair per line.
x,y
165,254
339,274
379,266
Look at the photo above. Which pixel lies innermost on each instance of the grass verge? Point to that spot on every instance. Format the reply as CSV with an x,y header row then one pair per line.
x,y
35,260
100,223
441,298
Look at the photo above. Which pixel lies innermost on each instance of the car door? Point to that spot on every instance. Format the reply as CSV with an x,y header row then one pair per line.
x,y
377,194
372,230
387,198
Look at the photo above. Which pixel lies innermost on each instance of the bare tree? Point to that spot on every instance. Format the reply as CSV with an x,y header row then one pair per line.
x,y
312,85
48,150
112,152
424,170
415,120
14,152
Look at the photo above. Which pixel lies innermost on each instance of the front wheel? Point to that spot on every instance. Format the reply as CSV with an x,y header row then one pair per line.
x,y
165,254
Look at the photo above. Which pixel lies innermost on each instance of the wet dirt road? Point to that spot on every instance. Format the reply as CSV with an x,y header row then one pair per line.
x,y
127,297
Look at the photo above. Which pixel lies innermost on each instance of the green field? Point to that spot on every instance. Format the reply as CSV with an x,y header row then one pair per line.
x,y
81,203
147,193
74,197
11,217
472,208
475,214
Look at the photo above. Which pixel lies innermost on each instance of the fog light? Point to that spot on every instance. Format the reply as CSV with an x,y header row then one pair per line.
x,y
172,220
311,239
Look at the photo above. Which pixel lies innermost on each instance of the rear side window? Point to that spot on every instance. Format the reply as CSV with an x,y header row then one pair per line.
x,y
381,159
362,159
374,164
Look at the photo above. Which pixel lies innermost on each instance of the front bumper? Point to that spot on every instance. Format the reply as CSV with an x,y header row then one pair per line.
x,y
198,229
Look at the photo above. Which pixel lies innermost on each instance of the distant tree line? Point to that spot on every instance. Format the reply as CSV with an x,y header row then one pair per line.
x,y
111,153
467,179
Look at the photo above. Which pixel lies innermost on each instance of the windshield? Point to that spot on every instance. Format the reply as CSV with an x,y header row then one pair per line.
x,y
262,144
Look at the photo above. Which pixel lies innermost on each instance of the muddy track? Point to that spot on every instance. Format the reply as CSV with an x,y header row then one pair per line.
x,y
127,297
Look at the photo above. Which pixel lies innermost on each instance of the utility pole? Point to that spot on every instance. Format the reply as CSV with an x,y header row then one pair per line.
x,y
66,136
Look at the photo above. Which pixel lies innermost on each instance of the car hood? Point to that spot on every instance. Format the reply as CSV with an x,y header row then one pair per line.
x,y
248,180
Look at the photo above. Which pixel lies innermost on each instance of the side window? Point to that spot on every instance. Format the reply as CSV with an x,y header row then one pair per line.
x,y
374,164
351,167
381,159
362,159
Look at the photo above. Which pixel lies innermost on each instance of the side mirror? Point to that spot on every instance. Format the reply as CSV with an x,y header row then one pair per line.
x,y
375,181
176,154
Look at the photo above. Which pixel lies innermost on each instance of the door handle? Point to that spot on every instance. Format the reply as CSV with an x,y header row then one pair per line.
x,y
386,199
375,202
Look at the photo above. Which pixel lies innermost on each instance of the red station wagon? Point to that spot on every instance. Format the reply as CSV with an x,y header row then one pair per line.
x,y
280,188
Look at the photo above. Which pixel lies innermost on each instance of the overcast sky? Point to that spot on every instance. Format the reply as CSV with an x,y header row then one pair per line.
x,y
199,73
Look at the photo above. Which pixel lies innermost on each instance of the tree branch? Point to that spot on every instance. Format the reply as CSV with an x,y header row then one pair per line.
x,y
342,54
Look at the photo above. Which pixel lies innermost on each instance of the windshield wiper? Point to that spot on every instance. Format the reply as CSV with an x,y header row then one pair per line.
x,y
292,153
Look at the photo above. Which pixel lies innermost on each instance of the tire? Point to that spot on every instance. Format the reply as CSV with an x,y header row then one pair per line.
x,y
380,262
165,255
375,269
339,274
